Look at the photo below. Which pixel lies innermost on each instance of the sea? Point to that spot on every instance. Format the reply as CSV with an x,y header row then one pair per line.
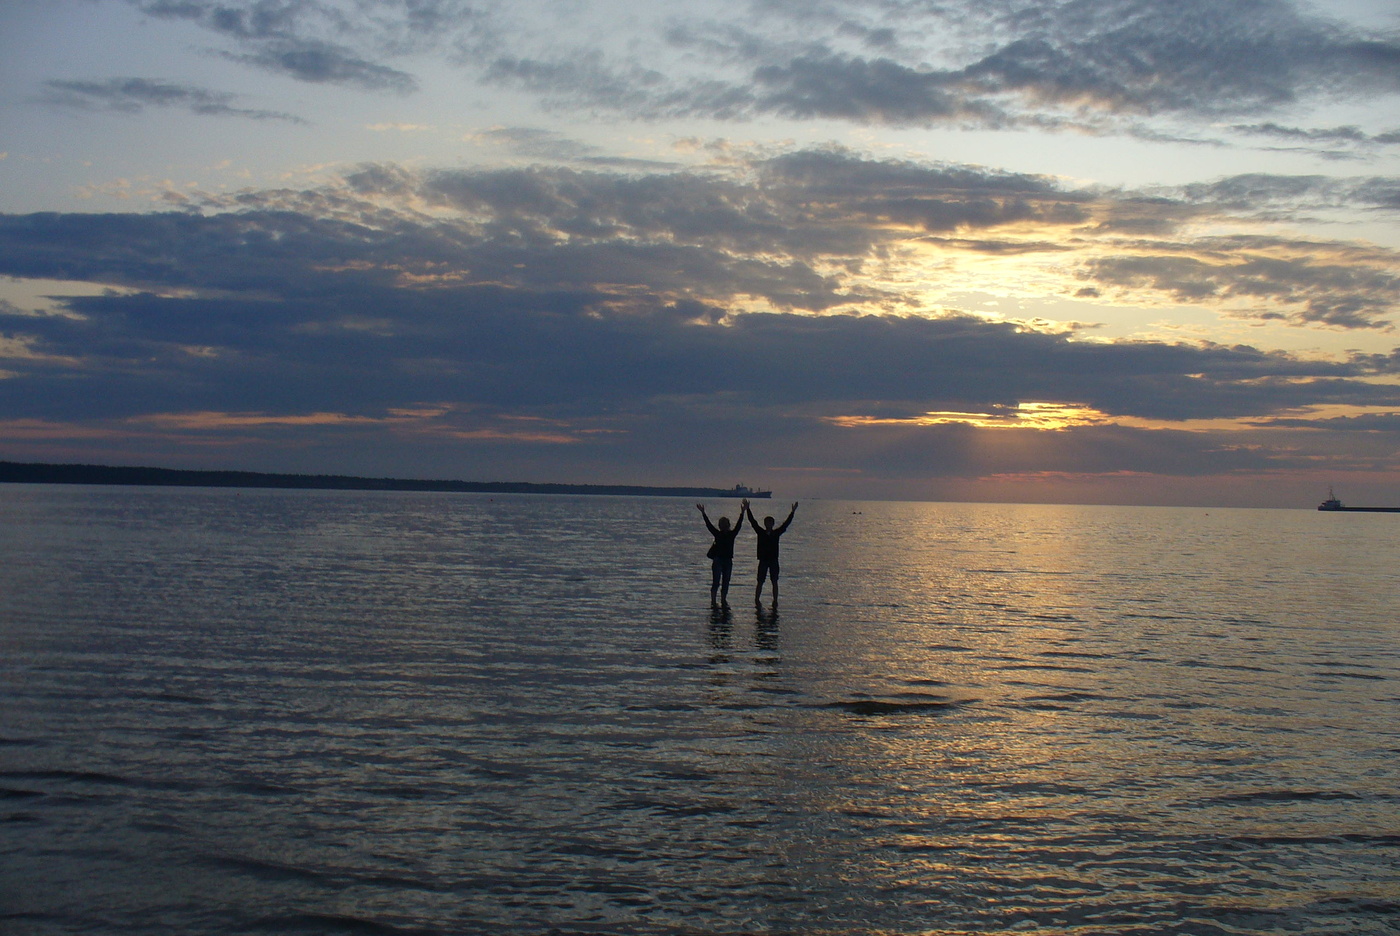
x,y
323,712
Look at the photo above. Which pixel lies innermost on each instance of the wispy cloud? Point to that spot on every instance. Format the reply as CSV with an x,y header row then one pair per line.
x,y
323,63
1102,65
298,38
133,95
1366,422
537,143
1265,278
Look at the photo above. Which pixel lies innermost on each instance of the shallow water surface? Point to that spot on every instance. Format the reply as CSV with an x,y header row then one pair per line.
x,y
344,712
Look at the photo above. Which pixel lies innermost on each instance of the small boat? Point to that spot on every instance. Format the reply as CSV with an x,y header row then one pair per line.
x,y
1332,503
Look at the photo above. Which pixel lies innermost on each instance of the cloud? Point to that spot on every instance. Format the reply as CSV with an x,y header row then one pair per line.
x,y
293,37
323,63
1265,278
1101,65
1345,134
813,231
525,368
536,143
930,198
564,353
636,316
1098,65
823,84
1199,57
594,287
1367,422
1276,196
134,95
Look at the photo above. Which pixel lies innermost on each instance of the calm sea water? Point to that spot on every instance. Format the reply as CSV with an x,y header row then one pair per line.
x,y
324,713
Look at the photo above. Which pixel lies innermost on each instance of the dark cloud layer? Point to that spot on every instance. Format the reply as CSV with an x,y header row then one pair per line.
x,y
1371,422
361,348
624,318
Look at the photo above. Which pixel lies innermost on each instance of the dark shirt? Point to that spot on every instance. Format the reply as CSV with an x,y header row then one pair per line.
x,y
768,539
723,547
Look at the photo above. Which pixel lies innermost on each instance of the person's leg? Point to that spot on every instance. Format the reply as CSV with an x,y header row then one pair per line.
x,y
762,574
715,572
726,570
773,574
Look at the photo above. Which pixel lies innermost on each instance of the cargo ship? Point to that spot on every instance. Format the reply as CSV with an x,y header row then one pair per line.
x,y
1333,504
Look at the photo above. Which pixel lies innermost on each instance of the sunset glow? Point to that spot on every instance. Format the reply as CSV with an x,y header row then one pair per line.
x,y
842,247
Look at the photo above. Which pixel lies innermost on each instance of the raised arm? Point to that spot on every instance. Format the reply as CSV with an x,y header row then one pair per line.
x,y
708,525
743,509
753,521
789,517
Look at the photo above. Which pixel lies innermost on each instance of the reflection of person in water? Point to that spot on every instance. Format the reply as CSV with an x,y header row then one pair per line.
x,y
722,550
765,629
768,549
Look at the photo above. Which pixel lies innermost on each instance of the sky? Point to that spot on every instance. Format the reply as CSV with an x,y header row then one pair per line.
x,y
1069,251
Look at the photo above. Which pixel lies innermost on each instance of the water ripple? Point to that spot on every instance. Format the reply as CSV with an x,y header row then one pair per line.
x,y
327,713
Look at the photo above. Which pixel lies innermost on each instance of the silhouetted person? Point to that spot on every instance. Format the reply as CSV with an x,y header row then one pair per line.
x,y
768,549
722,549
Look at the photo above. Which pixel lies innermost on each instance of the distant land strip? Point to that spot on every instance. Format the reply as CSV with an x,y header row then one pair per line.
x,y
38,473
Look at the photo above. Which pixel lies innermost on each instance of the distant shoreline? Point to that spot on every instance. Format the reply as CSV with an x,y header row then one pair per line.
x,y
40,473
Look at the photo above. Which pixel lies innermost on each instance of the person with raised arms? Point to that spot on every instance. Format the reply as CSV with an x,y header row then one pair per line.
x,y
768,549
721,552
